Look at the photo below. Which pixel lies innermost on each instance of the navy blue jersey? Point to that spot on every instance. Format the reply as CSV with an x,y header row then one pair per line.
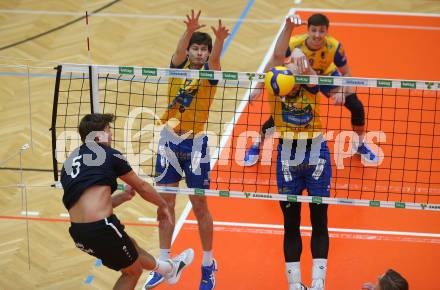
x,y
88,165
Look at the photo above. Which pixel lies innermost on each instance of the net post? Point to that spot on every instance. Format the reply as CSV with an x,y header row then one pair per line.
x,y
54,121
94,89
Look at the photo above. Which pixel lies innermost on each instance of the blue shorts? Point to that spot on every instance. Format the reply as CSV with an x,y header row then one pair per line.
x,y
312,170
325,89
178,156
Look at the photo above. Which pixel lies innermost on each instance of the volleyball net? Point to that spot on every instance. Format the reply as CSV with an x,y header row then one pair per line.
x,y
402,119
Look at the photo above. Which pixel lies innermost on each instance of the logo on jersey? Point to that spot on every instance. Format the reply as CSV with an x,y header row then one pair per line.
x,y
297,116
184,98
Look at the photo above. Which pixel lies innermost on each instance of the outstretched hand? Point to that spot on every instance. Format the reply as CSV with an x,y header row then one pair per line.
x,y
300,61
221,32
192,22
294,20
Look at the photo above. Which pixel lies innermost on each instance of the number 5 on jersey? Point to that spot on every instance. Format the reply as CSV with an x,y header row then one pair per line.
x,y
75,166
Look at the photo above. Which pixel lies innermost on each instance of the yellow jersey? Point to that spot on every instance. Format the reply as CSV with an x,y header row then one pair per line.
x,y
324,60
297,116
189,101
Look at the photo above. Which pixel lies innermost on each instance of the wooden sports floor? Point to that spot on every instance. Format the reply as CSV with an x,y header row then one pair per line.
x,y
36,251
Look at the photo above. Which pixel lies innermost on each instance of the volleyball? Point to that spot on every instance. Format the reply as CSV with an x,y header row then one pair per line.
x,y
279,81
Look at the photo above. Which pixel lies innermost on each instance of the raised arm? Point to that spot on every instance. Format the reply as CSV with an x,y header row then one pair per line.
x,y
279,53
220,35
192,24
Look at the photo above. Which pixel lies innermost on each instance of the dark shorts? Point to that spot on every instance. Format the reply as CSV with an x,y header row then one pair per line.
x,y
325,89
106,240
177,157
312,173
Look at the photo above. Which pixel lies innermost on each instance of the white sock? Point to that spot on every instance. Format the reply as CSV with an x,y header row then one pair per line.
x,y
163,267
293,272
319,270
164,254
256,144
207,258
361,139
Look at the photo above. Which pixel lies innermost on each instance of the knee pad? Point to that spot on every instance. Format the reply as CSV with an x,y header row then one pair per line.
x,y
267,125
355,106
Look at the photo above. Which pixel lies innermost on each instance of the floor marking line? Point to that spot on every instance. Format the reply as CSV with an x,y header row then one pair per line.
x,y
336,230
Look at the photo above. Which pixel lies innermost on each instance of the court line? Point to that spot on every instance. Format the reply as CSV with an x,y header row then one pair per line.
x,y
237,26
335,230
172,17
332,235
389,26
152,222
26,169
30,213
226,19
377,12
67,220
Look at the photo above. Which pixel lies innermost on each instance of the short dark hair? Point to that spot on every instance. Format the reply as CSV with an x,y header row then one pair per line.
x,y
392,281
94,122
318,20
201,38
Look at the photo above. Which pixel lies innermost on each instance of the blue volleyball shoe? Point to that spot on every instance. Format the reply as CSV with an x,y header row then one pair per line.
x,y
252,155
208,276
367,155
154,279
179,263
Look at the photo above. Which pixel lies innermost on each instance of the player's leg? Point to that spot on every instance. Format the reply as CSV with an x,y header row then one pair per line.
x,y
165,237
168,176
206,228
318,184
319,244
253,153
355,106
347,96
292,243
129,276
107,240
170,269
288,182
197,171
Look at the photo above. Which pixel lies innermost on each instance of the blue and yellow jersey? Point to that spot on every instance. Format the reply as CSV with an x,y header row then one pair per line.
x,y
325,60
189,101
298,112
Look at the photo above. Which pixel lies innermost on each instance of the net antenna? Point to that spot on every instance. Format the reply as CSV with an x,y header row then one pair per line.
x,y
94,89
88,74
